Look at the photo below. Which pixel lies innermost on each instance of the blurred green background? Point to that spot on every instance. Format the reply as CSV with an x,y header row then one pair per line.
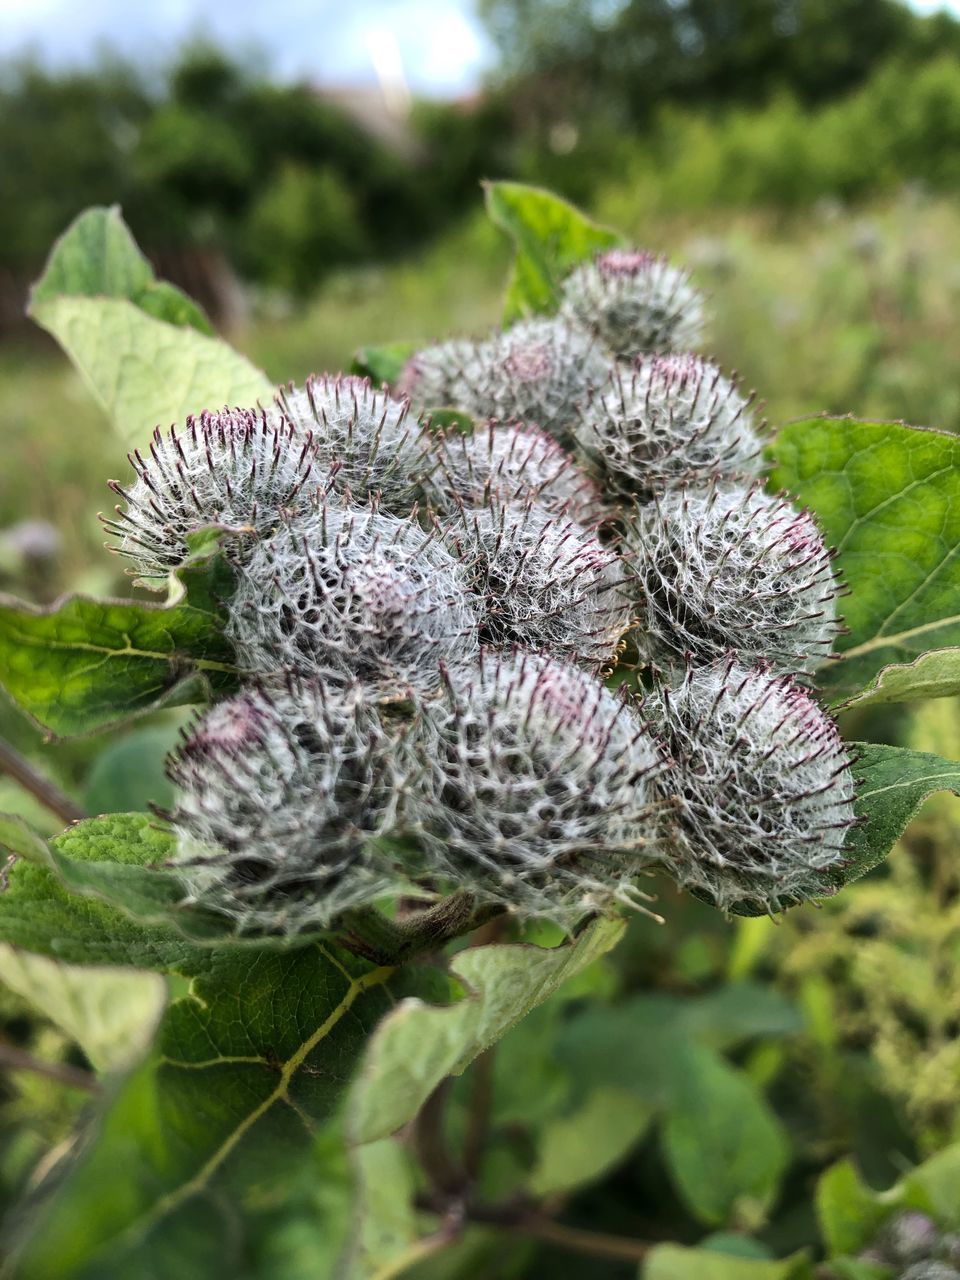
x,y
802,157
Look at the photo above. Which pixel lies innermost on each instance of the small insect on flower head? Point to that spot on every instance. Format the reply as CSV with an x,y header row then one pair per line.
x,y
366,439
511,462
535,786
760,782
545,582
634,302
277,796
725,566
353,593
670,419
236,468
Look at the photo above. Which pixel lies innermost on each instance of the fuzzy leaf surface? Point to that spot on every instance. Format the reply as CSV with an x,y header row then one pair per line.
x,y
887,496
82,665
551,237
144,350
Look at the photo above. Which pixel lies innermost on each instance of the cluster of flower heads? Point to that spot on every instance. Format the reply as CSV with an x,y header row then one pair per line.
x,y
912,1246
424,621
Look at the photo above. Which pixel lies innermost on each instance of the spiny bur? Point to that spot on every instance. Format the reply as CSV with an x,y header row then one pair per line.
x,y
277,797
634,301
667,420
535,787
725,567
237,468
760,782
544,581
365,439
512,462
348,593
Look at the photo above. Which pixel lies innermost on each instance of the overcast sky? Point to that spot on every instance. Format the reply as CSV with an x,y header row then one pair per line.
x,y
438,43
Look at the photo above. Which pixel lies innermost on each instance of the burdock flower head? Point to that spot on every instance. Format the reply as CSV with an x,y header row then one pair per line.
x,y
435,376
512,462
544,581
278,796
634,301
365,439
728,567
760,783
536,788
348,593
236,468
670,419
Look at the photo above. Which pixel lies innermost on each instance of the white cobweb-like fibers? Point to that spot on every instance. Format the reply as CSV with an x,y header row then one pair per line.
x,y
760,783
235,468
512,462
670,419
544,581
539,372
277,798
366,439
535,786
728,567
353,594
634,301
435,376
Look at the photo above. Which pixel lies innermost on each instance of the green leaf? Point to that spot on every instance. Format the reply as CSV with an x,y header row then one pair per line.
x,y
724,1147
383,363
111,1013
888,498
386,1223
578,1148
934,1186
82,665
98,257
848,1211
222,1116
673,1262
418,1046
218,1123
143,349
551,237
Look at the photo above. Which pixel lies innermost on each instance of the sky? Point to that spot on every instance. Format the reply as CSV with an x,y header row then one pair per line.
x,y
438,45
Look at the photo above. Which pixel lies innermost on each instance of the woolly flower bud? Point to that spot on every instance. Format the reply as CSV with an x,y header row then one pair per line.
x,y
910,1236
670,419
433,377
547,582
362,437
761,785
930,1269
277,797
728,567
513,463
634,302
535,786
234,468
353,593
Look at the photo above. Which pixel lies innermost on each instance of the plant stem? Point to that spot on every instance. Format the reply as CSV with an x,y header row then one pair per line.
x,y
47,792
417,1252
431,1148
15,1059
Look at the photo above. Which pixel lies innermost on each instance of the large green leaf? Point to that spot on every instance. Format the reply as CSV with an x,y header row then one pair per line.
x,y
577,1148
724,1147
888,498
81,664
418,1046
551,238
144,349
